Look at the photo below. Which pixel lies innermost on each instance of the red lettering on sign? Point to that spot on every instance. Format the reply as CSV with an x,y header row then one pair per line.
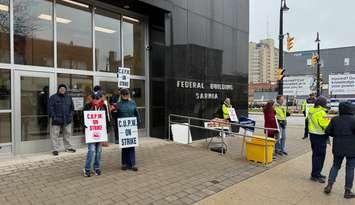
x,y
95,122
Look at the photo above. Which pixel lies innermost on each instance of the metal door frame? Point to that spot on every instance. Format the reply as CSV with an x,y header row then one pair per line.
x,y
20,146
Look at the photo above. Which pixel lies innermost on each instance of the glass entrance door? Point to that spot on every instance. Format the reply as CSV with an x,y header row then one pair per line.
x,y
32,91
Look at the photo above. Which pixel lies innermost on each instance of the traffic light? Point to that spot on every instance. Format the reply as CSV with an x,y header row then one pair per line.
x,y
280,74
314,59
289,42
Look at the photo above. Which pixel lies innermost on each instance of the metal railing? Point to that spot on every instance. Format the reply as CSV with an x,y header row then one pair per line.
x,y
223,131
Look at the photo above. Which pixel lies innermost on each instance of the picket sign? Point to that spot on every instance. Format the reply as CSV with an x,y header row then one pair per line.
x,y
128,132
95,122
232,114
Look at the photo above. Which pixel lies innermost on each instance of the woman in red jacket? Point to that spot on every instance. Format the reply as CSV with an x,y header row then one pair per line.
x,y
269,119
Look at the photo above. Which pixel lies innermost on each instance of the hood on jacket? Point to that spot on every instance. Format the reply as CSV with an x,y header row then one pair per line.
x,y
346,108
61,86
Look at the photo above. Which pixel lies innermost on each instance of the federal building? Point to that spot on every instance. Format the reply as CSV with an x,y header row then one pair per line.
x,y
185,56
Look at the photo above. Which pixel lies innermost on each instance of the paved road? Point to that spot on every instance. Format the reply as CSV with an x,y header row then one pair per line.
x,y
285,184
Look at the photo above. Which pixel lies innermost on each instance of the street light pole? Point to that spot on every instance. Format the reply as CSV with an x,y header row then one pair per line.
x,y
281,38
318,65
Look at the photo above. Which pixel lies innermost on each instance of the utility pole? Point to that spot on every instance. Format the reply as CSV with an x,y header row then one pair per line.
x,y
318,65
281,38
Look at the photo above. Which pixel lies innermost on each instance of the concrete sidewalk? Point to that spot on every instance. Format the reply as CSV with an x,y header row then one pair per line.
x,y
287,183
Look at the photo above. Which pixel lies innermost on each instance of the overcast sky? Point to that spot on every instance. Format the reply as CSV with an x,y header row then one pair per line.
x,y
334,19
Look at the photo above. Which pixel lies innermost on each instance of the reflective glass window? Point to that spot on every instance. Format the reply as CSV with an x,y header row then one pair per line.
x,y
5,89
4,31
133,45
33,32
107,41
74,36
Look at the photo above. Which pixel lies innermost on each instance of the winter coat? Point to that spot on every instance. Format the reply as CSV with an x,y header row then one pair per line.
x,y
60,109
342,129
127,108
270,122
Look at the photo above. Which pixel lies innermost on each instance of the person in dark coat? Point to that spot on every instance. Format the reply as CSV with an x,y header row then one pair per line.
x,y
60,111
128,108
113,109
342,129
270,119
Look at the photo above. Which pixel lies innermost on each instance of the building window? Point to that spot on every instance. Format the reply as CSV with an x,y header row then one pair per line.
x,y
133,45
5,89
107,41
79,88
4,31
33,32
74,36
5,127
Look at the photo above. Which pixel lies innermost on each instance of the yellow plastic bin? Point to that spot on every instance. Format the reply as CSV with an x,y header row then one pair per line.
x,y
256,149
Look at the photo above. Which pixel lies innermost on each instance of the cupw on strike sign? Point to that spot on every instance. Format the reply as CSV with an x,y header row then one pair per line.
x,y
95,122
128,132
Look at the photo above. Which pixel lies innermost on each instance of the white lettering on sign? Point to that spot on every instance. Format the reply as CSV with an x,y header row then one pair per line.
x,y
202,96
190,84
128,132
342,84
297,85
95,122
124,77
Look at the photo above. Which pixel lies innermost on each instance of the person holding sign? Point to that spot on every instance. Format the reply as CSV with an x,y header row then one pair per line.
x,y
127,109
226,105
94,127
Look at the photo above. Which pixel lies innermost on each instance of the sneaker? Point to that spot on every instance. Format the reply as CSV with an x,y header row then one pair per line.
x,y
322,176
318,179
348,194
97,172
134,169
86,173
55,153
124,168
328,188
284,153
70,150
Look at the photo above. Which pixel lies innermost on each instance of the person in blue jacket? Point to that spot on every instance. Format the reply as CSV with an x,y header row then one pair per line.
x,y
127,108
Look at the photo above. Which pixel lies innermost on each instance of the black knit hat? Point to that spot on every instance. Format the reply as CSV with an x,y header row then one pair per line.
x,y
62,86
321,101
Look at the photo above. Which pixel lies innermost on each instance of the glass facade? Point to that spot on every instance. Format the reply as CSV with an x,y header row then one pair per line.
x,y
4,31
74,37
107,41
190,41
33,32
133,45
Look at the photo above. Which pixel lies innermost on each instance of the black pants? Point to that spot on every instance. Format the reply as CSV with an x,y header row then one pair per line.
x,y
305,128
128,157
319,148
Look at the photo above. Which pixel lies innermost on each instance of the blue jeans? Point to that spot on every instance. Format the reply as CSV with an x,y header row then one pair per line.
x,y
281,143
93,148
319,150
349,175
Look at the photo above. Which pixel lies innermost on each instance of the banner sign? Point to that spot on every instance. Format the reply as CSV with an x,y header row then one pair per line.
x,y
297,85
95,122
342,84
124,76
232,115
128,132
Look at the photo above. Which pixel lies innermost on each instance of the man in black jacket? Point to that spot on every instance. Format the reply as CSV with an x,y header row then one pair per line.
x,y
60,111
342,129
